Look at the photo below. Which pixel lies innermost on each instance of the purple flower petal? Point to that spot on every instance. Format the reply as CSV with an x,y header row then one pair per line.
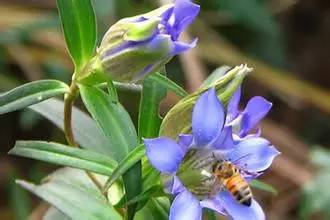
x,y
166,15
185,207
185,141
255,110
164,154
238,211
232,109
177,186
185,12
181,47
161,43
213,204
207,118
172,184
252,154
224,141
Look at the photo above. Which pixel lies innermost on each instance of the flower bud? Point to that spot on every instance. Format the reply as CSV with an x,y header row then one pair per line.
x,y
225,87
136,46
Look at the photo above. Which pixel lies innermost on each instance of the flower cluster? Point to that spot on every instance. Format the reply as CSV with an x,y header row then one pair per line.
x,y
136,46
187,164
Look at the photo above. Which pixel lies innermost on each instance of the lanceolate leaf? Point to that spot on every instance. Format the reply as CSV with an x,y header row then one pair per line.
x,y
79,27
149,121
70,191
129,161
155,209
153,92
113,120
19,200
54,214
31,93
64,155
155,190
119,130
85,130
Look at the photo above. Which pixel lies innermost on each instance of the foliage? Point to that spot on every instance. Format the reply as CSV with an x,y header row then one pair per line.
x,y
106,146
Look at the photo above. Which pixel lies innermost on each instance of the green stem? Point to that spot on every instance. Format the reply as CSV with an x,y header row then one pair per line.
x,y
68,104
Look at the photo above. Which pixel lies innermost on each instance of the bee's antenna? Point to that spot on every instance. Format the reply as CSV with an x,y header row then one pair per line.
x,y
240,158
218,157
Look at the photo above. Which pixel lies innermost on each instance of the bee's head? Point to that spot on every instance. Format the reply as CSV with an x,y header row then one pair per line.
x,y
224,169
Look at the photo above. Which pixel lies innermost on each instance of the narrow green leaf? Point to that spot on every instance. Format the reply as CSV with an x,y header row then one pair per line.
x,y
113,120
119,130
155,209
153,92
263,186
146,195
64,155
79,27
149,120
31,93
71,192
150,176
19,201
54,214
129,161
112,91
169,84
85,130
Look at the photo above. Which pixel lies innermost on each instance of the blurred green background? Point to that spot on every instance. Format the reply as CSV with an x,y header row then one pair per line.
x,y
287,42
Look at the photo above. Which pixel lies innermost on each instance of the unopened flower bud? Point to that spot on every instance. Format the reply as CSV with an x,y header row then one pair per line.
x,y
225,87
136,46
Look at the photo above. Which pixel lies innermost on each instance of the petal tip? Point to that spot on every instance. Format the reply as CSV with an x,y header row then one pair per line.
x,y
164,154
208,117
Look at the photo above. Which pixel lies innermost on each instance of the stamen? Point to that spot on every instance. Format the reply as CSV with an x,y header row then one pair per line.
x,y
206,173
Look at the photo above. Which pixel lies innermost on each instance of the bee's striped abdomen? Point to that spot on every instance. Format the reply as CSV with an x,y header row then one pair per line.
x,y
240,189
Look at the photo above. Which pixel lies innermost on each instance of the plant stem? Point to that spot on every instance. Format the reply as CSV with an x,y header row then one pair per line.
x,y
68,104
95,181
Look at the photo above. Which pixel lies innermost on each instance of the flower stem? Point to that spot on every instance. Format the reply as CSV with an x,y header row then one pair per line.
x,y
68,104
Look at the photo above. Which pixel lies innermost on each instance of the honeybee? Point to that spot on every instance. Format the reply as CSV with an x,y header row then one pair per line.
x,y
228,175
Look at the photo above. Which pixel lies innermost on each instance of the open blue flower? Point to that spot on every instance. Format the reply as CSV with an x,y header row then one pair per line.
x,y
186,164
248,119
136,46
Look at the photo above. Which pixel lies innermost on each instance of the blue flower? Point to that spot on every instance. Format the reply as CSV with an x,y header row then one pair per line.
x,y
186,164
136,46
248,119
